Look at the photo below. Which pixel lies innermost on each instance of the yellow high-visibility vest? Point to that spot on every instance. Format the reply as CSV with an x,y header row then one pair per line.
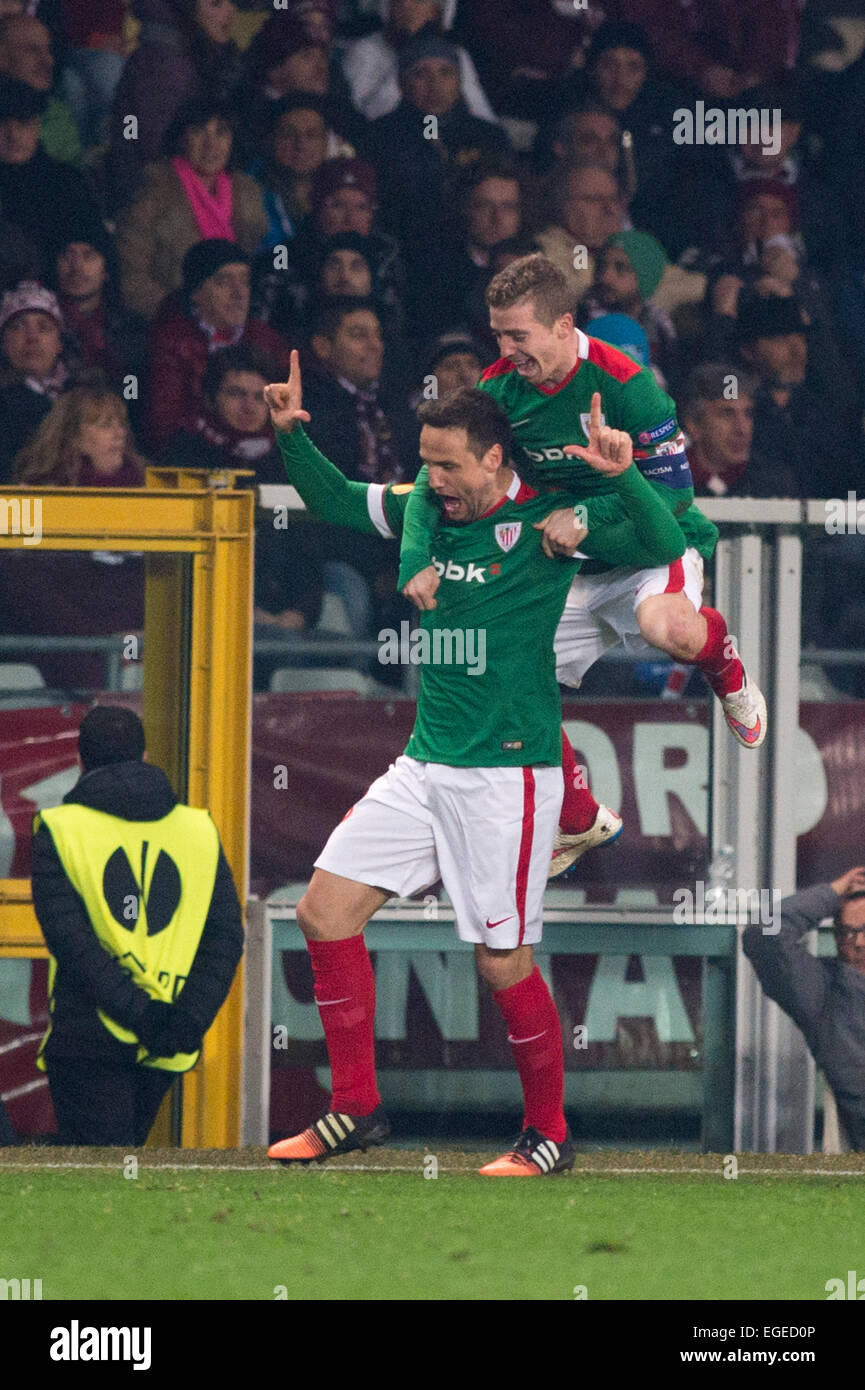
x,y
146,886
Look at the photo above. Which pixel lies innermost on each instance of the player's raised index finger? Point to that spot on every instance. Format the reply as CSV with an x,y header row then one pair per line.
x,y
595,414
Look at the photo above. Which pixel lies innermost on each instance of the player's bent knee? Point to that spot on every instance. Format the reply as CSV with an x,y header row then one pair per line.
x,y
329,913
501,969
676,632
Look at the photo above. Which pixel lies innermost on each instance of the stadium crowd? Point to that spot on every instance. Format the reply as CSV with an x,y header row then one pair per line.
x,y
191,188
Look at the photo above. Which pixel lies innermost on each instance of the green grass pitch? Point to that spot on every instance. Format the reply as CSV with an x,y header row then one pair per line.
x,y
622,1225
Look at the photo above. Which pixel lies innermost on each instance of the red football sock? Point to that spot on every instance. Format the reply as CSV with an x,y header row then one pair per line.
x,y
345,995
535,1036
579,807
719,660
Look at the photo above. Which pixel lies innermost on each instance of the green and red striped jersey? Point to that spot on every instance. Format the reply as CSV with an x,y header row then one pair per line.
x,y
545,419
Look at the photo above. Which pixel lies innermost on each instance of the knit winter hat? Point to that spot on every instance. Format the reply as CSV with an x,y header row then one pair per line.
x,y
206,258
335,174
623,332
26,296
647,256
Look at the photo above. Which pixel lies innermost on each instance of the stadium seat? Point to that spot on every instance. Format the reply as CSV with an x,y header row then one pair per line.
x,y
333,616
20,675
298,679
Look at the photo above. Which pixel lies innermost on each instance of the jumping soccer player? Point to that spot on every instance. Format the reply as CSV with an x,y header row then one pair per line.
x,y
475,799
545,382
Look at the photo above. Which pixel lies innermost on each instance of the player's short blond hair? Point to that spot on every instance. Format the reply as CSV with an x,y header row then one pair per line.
x,y
535,278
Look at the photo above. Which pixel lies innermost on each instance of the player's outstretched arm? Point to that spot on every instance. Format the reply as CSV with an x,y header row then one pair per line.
x,y
324,489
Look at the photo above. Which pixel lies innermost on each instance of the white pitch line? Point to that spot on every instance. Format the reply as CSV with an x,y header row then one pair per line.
x,y
417,1168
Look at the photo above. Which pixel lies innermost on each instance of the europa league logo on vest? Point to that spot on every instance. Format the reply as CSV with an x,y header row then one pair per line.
x,y
128,898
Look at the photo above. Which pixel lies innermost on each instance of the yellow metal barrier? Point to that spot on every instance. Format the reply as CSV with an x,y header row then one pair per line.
x,y
196,530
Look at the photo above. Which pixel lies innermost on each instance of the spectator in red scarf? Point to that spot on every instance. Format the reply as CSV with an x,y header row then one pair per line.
x,y
189,195
211,313
233,428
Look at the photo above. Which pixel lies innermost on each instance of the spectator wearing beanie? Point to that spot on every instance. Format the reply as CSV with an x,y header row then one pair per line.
x,y
371,63
33,371
36,191
623,332
85,277
191,194
210,313
343,199
185,53
628,271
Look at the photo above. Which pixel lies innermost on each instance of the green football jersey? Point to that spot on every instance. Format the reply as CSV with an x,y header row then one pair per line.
x,y
488,692
545,419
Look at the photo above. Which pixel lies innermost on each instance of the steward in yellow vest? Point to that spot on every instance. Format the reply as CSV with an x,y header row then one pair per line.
x,y
141,917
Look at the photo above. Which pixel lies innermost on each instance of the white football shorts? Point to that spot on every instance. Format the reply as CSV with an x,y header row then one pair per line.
x,y
600,611
486,832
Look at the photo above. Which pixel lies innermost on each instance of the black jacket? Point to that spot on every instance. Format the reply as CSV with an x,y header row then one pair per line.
x,y
88,978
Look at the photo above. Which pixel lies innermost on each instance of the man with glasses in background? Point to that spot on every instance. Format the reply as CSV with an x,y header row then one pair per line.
x,y
825,998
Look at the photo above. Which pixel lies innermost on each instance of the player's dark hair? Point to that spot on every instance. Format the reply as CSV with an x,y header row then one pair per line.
x,y
474,411
242,357
710,381
536,278
331,312
110,734
837,923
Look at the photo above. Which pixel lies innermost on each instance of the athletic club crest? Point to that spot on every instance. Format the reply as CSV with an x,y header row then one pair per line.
x,y
508,533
